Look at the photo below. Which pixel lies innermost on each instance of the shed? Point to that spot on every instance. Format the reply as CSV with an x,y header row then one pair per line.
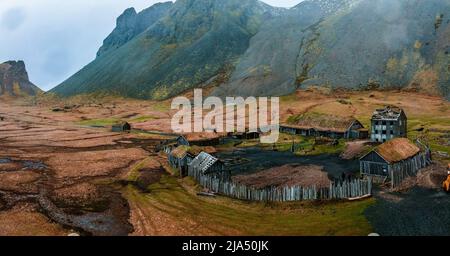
x,y
206,164
394,160
179,158
122,127
182,141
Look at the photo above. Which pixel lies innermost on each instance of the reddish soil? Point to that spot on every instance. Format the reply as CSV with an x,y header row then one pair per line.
x,y
55,175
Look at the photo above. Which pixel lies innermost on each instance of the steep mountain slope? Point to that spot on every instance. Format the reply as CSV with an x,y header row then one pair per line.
x,y
269,66
401,43
130,24
250,48
14,80
194,42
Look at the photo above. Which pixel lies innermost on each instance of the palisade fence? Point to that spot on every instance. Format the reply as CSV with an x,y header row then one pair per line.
x,y
402,170
337,190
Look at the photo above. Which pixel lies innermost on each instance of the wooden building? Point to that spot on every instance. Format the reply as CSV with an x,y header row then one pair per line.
x,y
395,160
169,145
388,123
180,157
206,164
122,127
320,125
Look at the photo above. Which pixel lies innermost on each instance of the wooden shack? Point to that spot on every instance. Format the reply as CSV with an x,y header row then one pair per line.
x,y
206,164
122,127
179,158
322,125
394,161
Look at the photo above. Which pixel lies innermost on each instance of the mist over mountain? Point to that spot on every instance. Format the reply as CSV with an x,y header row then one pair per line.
x,y
14,80
247,48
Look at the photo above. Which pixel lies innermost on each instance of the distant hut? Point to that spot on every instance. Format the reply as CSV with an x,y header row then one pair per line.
x,y
322,125
179,158
206,164
388,123
182,141
122,127
395,160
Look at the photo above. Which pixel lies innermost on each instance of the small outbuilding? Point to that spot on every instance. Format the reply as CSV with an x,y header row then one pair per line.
x,y
179,158
206,164
395,160
122,127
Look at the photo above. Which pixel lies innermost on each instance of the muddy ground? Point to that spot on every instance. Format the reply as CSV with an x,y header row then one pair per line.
x,y
418,207
57,177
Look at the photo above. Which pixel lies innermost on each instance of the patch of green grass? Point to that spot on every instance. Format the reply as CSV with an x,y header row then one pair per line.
x,y
142,119
99,122
225,216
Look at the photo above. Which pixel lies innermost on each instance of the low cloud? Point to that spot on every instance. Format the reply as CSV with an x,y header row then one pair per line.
x,y
13,18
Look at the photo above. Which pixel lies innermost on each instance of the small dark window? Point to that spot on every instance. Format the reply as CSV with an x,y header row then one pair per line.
x,y
391,123
384,132
392,132
384,140
384,122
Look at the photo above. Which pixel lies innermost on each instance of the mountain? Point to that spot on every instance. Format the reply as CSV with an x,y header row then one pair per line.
x,y
130,24
270,65
14,80
353,44
193,42
245,47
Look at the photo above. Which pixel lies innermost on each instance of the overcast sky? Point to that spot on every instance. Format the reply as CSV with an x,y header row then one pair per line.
x,y
57,38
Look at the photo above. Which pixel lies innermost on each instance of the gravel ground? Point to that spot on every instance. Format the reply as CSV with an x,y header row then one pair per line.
x,y
423,212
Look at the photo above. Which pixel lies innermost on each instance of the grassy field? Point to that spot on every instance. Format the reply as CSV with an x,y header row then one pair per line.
x,y
99,122
180,211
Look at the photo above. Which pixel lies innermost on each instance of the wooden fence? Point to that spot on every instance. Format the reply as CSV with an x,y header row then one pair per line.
x,y
409,168
337,190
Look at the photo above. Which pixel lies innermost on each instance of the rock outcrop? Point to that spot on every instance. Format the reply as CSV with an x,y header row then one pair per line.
x,y
14,80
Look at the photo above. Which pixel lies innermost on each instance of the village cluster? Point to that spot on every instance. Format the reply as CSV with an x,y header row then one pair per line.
x,y
393,158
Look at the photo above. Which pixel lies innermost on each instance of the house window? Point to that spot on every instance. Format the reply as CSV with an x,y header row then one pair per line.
x,y
391,123
376,122
384,132
384,122
392,132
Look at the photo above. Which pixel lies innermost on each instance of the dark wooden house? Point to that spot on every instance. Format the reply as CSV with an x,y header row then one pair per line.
x,y
171,144
394,161
182,141
326,126
122,127
180,157
388,123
